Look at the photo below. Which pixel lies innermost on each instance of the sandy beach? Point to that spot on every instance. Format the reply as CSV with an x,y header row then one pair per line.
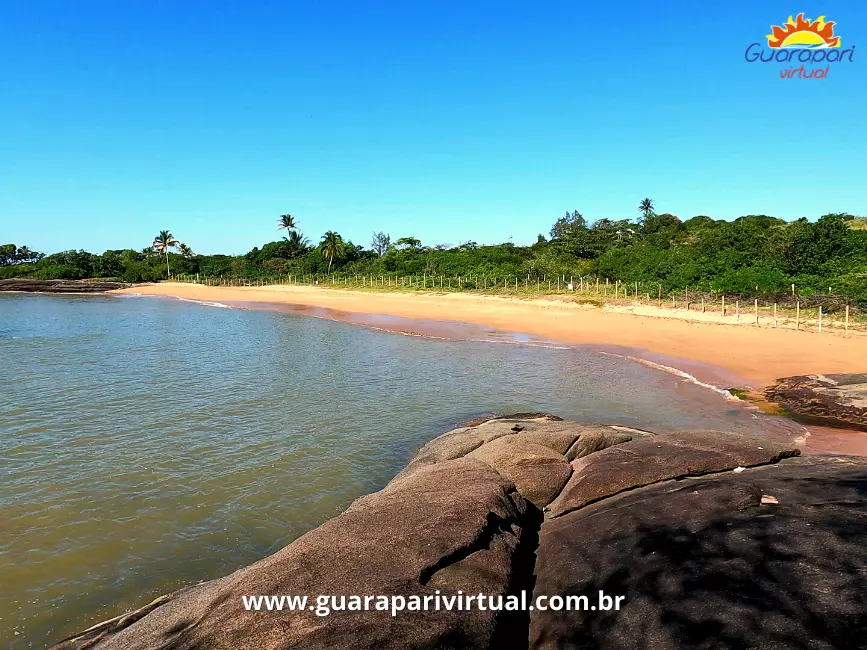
x,y
752,355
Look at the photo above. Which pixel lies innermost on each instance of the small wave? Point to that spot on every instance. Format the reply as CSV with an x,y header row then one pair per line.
x,y
416,334
207,303
677,372
529,344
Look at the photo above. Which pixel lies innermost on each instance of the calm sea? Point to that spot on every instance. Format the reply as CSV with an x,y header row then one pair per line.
x,y
148,443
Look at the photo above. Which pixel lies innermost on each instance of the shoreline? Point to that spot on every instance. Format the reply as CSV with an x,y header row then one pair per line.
x,y
726,359
716,353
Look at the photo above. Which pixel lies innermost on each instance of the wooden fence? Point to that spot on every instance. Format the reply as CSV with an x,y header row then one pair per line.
x,y
812,313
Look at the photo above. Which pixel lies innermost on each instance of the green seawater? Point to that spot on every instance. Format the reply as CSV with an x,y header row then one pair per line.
x,y
150,443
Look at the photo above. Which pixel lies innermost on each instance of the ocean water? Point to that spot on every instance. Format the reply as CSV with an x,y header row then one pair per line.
x,y
149,443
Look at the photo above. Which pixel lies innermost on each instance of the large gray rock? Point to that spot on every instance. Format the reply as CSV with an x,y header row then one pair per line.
x,y
539,472
651,459
772,557
541,428
596,439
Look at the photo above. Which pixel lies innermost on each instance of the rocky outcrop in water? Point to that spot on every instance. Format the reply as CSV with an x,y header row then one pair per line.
x,y
713,539
838,400
60,286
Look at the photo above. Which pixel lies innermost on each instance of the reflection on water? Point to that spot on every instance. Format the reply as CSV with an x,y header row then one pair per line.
x,y
148,443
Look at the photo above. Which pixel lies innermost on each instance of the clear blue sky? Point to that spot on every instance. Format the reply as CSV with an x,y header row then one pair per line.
x,y
447,121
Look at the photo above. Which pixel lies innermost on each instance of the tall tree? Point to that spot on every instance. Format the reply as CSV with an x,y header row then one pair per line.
x,y
298,243
405,243
381,243
332,247
186,251
646,207
163,242
286,222
8,254
567,224
24,254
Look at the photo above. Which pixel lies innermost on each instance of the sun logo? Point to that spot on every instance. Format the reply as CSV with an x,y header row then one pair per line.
x,y
804,33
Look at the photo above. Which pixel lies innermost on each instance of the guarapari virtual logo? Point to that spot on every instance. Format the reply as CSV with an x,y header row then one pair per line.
x,y
810,43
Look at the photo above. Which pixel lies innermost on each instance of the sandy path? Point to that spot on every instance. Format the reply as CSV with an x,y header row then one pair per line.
x,y
757,354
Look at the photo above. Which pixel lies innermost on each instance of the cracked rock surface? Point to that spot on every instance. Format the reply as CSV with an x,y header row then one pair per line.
x,y
838,400
771,556
61,286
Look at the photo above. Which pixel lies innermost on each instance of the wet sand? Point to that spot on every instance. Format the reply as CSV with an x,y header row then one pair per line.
x,y
720,355
757,355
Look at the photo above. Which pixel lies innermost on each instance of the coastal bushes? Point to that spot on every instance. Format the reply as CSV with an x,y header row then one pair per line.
x,y
752,256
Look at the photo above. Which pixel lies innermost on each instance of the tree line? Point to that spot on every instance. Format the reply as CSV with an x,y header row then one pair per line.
x,y
752,256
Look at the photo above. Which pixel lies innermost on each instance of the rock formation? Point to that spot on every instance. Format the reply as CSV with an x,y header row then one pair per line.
x,y
838,400
60,286
713,539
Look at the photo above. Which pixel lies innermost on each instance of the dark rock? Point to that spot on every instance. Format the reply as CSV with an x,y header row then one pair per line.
x,y
539,428
596,439
651,459
704,564
837,400
539,472
60,286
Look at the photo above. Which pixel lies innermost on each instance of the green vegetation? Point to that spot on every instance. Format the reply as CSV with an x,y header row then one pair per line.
x,y
754,256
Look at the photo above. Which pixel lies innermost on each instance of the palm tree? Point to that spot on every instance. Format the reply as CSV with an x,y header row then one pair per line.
x,y
163,242
186,251
332,246
298,243
286,222
646,207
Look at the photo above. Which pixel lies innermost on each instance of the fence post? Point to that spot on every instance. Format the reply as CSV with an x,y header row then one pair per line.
x,y
737,310
820,318
775,315
846,323
659,287
724,306
756,307
702,304
797,314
